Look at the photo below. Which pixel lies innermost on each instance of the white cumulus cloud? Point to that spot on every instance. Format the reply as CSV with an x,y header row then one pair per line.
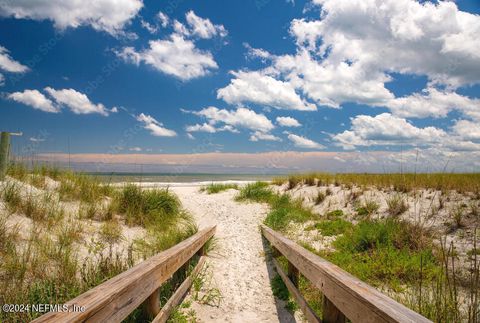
x,y
258,135
204,28
77,102
302,142
106,15
35,99
8,64
434,103
386,129
288,122
262,89
156,128
241,117
175,56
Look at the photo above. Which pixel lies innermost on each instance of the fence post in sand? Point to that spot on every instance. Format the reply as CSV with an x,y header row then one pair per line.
x,y
4,148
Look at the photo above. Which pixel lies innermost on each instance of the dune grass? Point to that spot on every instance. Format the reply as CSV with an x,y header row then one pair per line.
x,y
144,207
391,254
43,265
400,182
214,188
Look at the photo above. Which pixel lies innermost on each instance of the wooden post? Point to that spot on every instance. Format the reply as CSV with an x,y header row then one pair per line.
x,y
293,274
331,313
152,304
4,148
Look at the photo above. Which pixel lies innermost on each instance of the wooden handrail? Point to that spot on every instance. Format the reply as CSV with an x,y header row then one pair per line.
x,y
344,294
116,298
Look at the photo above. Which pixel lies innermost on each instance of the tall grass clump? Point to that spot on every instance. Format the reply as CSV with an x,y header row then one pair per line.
x,y
257,192
367,208
74,186
143,207
286,210
214,188
396,205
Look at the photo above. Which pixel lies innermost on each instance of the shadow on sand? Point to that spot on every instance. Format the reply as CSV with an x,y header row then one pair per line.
x,y
284,316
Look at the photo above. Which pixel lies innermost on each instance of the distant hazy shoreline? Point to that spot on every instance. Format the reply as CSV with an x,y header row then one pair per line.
x,y
166,178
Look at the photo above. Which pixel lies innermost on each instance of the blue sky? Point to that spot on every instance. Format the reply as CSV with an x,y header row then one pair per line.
x,y
346,81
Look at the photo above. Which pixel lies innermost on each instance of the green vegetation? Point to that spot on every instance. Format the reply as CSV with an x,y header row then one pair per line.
x,y
143,207
399,182
214,188
257,192
397,256
41,263
368,208
396,205
333,227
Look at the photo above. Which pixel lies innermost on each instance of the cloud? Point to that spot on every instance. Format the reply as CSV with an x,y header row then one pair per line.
x,y
354,48
77,102
33,139
288,122
152,29
302,142
386,129
467,129
110,16
156,128
35,99
434,103
258,135
8,64
137,149
257,53
175,56
241,117
164,20
403,36
204,28
201,128
331,84
258,88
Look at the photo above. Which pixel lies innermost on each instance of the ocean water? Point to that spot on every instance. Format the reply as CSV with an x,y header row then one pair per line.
x,y
178,178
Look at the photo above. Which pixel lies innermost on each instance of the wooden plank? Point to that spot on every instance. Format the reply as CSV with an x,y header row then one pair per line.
x,y
302,303
358,301
330,313
179,294
116,298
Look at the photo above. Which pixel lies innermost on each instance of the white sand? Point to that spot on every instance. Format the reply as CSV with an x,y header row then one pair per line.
x,y
238,263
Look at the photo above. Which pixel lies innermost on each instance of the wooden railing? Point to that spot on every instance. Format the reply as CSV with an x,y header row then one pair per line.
x,y
116,298
344,296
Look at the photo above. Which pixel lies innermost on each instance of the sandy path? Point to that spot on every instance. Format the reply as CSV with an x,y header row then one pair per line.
x,y
238,263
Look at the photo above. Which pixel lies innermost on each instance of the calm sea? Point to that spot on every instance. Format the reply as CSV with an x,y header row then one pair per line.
x,y
178,178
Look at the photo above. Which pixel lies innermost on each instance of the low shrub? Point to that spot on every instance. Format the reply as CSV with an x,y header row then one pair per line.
x,y
257,192
333,227
396,205
142,207
218,187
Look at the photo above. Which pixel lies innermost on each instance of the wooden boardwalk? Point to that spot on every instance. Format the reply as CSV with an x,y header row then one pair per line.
x,y
345,297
